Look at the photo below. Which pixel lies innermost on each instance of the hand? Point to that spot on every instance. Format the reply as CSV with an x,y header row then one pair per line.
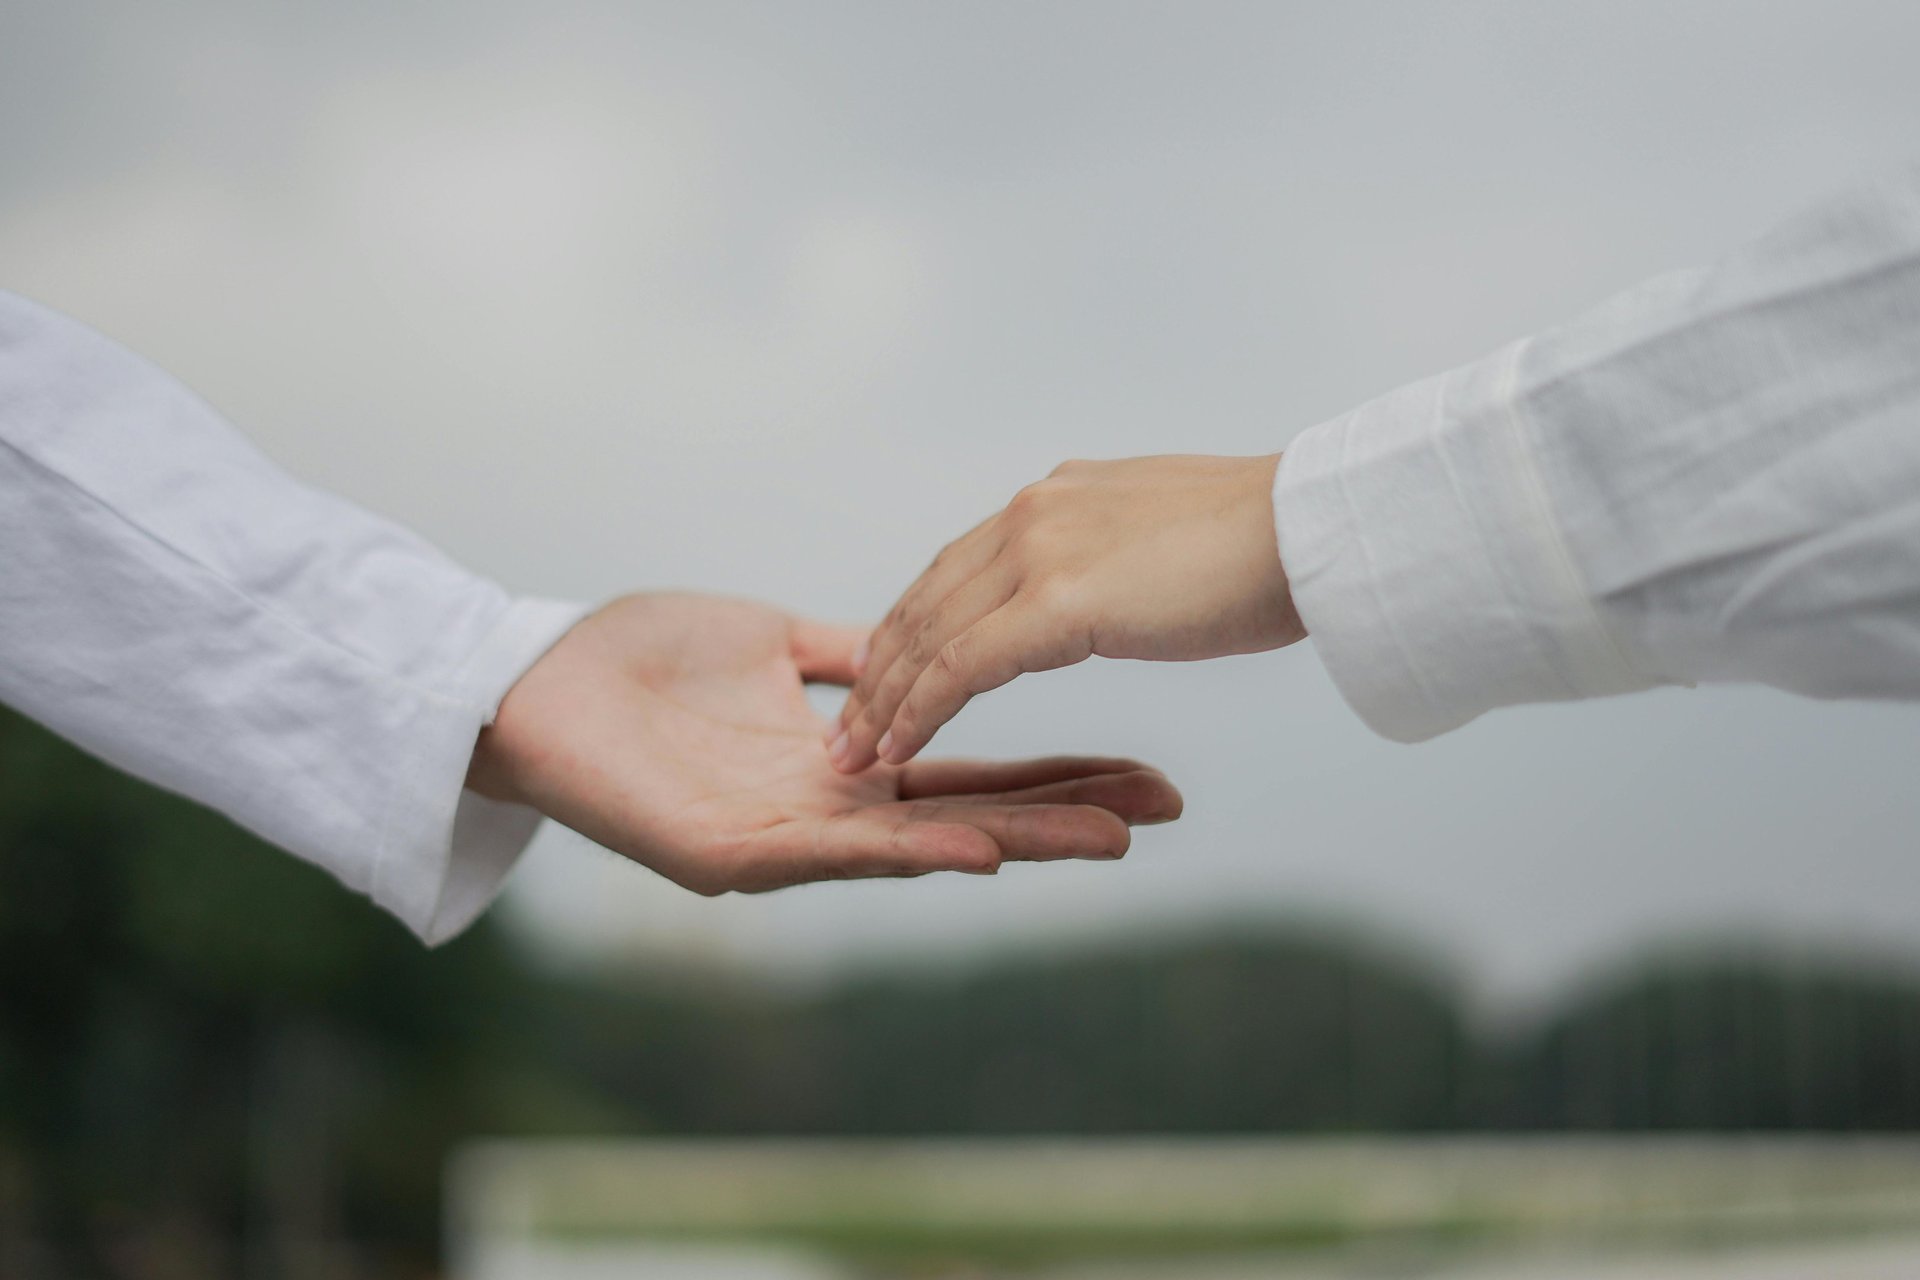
x,y
1171,558
674,729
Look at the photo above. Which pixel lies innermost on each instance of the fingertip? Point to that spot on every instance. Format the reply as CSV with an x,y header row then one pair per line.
x,y
853,757
991,863
902,741
958,847
840,752
896,749
1140,797
1166,803
1085,831
991,859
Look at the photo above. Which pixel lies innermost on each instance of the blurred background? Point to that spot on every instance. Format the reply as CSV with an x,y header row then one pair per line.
x,y
773,299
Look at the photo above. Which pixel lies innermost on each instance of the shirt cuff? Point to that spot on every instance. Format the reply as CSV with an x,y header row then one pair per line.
x,y
1424,558
445,851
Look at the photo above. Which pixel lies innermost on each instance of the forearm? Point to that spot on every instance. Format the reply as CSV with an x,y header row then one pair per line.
x,y
1708,478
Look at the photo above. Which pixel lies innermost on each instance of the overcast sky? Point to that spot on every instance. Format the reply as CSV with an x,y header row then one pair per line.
x,y
774,299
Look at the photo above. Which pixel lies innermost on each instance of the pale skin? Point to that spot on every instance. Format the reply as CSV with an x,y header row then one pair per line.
x,y
1170,558
675,729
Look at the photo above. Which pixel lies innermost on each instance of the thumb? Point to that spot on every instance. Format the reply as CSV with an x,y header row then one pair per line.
x,y
827,653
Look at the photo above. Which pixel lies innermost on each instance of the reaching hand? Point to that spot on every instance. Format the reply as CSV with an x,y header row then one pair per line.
x,y
1169,558
674,729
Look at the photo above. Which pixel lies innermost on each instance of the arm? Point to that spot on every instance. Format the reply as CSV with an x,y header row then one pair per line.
x,y
172,602
176,605
1710,477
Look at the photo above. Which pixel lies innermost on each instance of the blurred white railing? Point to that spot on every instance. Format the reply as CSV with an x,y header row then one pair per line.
x,y
791,1209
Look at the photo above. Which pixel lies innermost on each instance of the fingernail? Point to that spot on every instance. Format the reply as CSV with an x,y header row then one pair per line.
x,y
886,740
838,751
860,658
980,871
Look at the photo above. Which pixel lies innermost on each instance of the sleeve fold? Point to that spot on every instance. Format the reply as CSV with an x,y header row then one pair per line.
x,y
1423,557
1709,477
177,605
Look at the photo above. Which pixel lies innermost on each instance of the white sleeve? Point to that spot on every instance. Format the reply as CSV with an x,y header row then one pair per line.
x,y
1714,476
175,604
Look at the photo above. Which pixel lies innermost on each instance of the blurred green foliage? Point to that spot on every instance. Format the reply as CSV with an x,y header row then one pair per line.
x,y
213,1059
203,1041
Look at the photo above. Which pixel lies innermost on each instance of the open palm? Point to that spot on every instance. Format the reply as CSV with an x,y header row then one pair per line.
x,y
675,729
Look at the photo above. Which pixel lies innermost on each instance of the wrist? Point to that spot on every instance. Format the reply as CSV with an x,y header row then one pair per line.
x,y
1271,590
489,772
509,750
521,647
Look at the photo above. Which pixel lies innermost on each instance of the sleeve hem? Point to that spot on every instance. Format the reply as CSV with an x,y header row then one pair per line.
x,y
446,851
1425,561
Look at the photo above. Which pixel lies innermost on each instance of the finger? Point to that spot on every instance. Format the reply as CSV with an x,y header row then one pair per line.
x,y
824,652
1000,647
957,562
1035,832
1139,798
973,601
924,836
888,840
954,777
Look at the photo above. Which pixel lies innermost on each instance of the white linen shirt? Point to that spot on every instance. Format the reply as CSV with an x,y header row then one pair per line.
x,y
1714,476
178,606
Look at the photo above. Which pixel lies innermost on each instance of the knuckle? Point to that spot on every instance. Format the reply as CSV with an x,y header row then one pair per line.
x,y
920,649
1028,502
955,660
